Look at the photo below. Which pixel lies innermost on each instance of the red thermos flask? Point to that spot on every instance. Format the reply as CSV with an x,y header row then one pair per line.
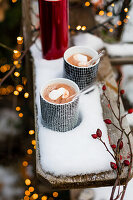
x,y
53,27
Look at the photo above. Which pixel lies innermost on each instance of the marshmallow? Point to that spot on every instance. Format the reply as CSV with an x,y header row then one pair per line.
x,y
55,94
80,58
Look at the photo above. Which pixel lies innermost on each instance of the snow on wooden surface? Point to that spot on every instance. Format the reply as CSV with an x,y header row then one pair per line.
x,y
73,152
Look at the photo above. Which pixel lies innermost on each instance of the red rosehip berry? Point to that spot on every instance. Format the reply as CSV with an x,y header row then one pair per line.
x,y
99,133
113,146
121,145
120,157
104,87
122,92
126,162
130,111
113,165
107,121
94,136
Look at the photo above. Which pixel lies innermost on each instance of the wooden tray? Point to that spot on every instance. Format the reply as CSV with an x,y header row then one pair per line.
x,y
106,178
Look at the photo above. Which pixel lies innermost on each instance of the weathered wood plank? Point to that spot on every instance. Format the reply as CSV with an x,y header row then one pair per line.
x,y
121,60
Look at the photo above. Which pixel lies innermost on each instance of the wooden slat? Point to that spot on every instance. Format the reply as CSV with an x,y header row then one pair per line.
x,y
121,60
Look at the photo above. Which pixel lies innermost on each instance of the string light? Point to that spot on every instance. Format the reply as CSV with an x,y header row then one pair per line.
x,y
44,198
18,108
27,193
19,88
17,54
15,62
109,14
25,163
20,115
83,28
31,132
128,17
101,12
119,23
20,40
125,20
78,27
111,30
33,142
16,93
125,9
27,182
68,26
35,196
4,68
14,1
26,95
55,194
17,74
87,3
18,66
31,189
112,4
26,198
29,151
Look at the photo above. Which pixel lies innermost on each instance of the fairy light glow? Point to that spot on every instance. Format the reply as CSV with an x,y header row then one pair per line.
x,y
15,62
27,192
44,198
125,9
83,28
111,30
33,142
87,3
20,40
31,132
26,95
18,108
27,182
128,17
109,14
112,4
78,27
20,115
19,88
17,74
31,189
14,1
26,198
16,93
55,194
25,163
101,12
29,151
35,196
119,23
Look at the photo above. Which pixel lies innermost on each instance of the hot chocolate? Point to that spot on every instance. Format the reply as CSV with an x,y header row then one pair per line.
x,y
59,93
79,60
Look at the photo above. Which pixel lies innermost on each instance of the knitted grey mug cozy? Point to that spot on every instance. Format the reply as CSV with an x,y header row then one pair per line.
x,y
82,76
60,117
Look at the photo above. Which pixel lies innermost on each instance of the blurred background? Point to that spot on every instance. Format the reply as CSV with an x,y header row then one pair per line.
x,y
17,141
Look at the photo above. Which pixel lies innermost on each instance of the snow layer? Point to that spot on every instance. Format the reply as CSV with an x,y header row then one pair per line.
x,y
104,192
127,82
73,152
88,40
119,49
